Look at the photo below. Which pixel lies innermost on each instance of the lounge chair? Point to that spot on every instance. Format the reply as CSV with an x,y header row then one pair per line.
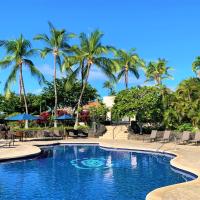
x,y
72,133
49,135
196,139
184,138
76,133
4,142
166,136
153,136
58,134
82,133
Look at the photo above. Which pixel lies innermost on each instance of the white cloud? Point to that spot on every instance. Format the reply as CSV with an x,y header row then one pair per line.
x,y
37,91
47,70
96,74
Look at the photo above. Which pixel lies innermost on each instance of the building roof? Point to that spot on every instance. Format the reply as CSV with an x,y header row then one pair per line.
x,y
91,104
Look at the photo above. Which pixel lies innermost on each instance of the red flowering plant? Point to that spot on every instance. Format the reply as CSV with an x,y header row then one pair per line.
x,y
84,116
44,118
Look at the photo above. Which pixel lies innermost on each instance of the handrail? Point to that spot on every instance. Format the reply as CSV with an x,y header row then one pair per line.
x,y
173,148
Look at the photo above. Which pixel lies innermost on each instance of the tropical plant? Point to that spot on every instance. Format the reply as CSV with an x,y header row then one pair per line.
x,y
144,103
18,53
56,45
157,71
185,127
69,97
90,53
196,66
110,86
128,62
98,113
11,104
184,105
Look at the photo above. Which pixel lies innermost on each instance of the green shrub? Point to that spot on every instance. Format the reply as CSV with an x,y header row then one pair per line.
x,y
83,127
185,127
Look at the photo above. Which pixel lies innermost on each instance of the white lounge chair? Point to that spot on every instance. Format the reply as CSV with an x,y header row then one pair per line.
x,y
196,139
166,136
184,138
153,136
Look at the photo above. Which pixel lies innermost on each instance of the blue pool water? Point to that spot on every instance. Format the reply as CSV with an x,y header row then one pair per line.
x,y
87,172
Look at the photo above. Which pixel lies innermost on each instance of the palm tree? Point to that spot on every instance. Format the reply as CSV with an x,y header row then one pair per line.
x,y
57,46
157,71
110,86
186,101
18,53
90,53
196,66
128,62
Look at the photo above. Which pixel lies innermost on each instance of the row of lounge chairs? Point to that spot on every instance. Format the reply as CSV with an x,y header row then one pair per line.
x,y
184,139
46,135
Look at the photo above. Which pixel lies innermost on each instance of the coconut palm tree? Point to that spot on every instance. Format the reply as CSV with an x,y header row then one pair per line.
x,y
157,71
90,53
18,53
110,86
56,45
128,62
196,66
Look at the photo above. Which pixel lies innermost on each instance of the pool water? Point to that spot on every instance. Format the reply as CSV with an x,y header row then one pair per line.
x,y
87,172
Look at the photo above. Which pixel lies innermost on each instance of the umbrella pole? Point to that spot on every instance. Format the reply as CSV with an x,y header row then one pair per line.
x,y
26,124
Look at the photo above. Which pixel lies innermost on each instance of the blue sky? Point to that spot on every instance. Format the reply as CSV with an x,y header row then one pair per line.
x,y
167,29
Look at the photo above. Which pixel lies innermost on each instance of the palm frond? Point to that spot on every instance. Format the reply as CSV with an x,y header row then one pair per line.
x,y
58,61
105,66
31,52
45,51
11,78
34,71
133,69
2,42
42,37
71,78
7,61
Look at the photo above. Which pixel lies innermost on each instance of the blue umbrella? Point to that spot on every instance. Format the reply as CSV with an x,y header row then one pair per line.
x,y
21,117
65,117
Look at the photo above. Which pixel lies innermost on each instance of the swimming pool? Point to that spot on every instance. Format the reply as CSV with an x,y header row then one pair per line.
x,y
87,172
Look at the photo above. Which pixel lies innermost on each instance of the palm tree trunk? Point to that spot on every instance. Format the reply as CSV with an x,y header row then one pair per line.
x,y
24,94
157,80
81,95
20,87
55,93
82,74
126,78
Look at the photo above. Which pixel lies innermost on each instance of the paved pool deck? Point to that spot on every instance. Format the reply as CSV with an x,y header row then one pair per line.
x,y
187,158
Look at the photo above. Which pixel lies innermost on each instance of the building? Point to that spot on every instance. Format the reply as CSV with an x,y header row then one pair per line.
x,y
109,102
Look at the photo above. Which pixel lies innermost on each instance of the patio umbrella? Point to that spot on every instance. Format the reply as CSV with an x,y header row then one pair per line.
x,y
22,117
65,117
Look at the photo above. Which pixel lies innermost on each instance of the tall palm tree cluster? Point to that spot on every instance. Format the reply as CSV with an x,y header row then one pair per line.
x,y
77,60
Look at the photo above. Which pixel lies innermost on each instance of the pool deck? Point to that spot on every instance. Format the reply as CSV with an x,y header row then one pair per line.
x,y
187,158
